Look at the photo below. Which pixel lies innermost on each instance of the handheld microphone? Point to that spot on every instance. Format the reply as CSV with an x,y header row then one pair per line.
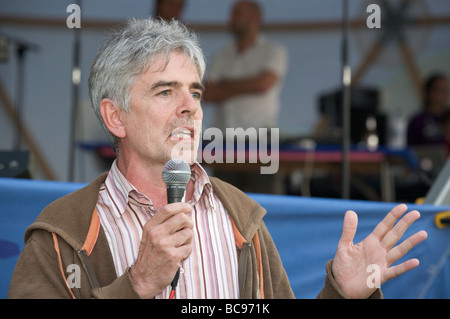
x,y
176,174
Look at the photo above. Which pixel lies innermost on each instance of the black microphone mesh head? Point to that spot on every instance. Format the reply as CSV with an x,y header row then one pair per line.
x,y
176,171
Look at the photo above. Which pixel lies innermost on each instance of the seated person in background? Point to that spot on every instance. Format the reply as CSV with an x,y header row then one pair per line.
x,y
426,127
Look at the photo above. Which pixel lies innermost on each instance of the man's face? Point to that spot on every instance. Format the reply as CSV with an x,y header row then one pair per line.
x,y
439,92
242,17
165,118
169,9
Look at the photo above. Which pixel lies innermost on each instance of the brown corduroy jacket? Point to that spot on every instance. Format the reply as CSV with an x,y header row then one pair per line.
x,y
55,242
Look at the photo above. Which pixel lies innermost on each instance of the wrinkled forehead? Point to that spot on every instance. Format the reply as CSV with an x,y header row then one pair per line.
x,y
159,62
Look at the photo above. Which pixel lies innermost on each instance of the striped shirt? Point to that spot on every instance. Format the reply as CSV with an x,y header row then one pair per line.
x,y
211,269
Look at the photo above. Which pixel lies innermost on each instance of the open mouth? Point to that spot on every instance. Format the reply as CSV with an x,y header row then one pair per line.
x,y
182,134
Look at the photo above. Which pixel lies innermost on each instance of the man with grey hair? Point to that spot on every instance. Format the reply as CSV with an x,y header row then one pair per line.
x,y
118,237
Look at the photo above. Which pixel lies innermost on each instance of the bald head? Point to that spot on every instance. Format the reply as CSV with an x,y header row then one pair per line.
x,y
245,17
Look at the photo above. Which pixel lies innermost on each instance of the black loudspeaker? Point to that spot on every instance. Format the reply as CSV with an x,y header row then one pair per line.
x,y
14,164
363,106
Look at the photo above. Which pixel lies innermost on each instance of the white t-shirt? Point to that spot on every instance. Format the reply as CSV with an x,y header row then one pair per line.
x,y
258,110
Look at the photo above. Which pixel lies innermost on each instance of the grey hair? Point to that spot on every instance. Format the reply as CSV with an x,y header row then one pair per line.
x,y
126,55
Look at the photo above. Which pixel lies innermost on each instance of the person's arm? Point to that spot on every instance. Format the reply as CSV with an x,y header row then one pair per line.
x,y
38,275
166,241
223,90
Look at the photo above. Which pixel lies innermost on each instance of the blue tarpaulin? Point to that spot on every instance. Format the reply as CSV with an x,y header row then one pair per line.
x,y
305,230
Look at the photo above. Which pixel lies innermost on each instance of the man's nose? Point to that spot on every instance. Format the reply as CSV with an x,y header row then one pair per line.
x,y
189,105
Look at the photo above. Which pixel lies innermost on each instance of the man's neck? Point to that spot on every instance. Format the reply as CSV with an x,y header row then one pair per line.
x,y
246,41
149,181
436,109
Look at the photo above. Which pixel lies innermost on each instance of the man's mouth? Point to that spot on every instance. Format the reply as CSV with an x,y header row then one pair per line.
x,y
181,134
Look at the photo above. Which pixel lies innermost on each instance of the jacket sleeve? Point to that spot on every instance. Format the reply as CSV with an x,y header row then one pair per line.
x,y
279,286
331,289
35,274
38,275
121,288
276,281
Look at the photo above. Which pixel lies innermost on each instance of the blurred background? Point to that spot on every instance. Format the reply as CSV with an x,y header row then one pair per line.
x,y
41,110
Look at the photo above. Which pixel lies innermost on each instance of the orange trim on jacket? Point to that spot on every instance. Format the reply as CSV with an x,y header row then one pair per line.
x,y
91,239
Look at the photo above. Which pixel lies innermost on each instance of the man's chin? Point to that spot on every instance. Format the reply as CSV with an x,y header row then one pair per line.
x,y
187,154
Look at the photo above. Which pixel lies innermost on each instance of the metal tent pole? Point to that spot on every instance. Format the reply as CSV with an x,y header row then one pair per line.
x,y
76,79
346,123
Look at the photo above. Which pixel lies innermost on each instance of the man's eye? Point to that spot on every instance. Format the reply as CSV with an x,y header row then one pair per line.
x,y
196,95
165,93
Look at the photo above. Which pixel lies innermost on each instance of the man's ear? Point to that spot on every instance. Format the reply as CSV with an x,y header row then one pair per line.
x,y
111,117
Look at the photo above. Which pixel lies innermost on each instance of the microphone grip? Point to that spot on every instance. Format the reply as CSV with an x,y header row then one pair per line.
x,y
175,193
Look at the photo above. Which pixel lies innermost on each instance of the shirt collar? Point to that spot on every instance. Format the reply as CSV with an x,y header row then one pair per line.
x,y
124,191
202,185
260,39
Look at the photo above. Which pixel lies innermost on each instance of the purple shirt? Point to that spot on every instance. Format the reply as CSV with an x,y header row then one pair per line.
x,y
425,128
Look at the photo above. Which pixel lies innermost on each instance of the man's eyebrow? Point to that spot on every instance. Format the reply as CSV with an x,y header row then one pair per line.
x,y
198,86
159,84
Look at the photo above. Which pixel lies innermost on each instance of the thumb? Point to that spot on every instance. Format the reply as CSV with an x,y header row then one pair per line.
x,y
349,228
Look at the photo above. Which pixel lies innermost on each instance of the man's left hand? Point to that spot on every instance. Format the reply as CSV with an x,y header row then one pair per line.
x,y
351,261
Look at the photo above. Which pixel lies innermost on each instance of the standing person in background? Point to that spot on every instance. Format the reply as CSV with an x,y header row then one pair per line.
x,y
169,9
245,77
245,83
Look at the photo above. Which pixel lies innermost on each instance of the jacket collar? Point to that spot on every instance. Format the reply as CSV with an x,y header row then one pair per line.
x,y
58,217
246,213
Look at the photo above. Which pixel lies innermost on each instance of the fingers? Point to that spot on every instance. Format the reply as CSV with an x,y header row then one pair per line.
x,y
394,235
169,211
399,251
389,235
166,241
395,271
349,228
388,222
167,231
170,225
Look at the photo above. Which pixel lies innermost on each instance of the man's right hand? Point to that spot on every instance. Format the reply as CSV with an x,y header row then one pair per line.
x,y
166,242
